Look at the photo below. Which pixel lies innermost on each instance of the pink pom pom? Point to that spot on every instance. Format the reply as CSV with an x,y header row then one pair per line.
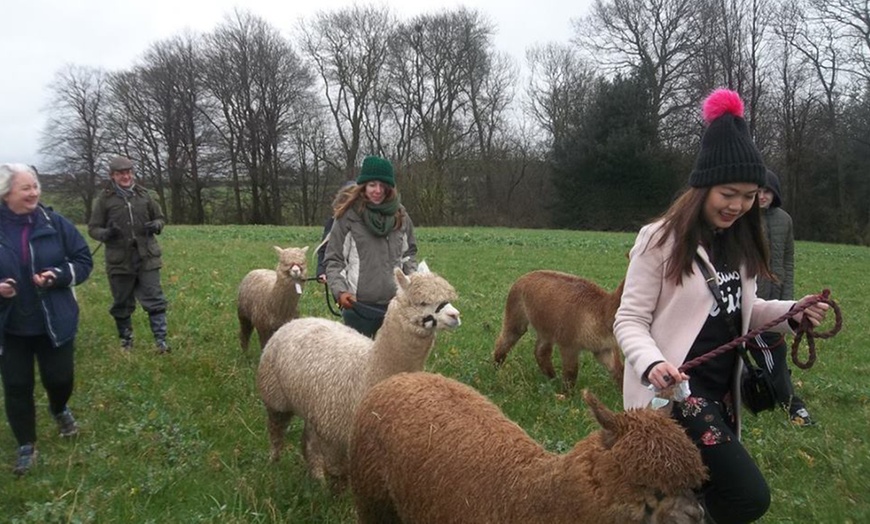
x,y
720,102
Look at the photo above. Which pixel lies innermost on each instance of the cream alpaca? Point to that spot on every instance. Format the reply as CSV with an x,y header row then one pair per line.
x,y
319,370
270,298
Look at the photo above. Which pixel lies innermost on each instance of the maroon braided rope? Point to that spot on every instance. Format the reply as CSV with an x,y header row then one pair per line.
x,y
805,328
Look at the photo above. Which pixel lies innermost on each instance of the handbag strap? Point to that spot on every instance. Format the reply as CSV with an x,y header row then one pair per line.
x,y
713,286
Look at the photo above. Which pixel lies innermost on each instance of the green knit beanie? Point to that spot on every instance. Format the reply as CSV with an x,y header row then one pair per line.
x,y
376,168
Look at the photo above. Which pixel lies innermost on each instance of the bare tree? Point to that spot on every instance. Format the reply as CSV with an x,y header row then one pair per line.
x,y
74,139
349,49
657,38
433,64
559,84
258,82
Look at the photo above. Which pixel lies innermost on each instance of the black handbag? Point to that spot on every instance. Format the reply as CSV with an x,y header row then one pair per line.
x,y
757,391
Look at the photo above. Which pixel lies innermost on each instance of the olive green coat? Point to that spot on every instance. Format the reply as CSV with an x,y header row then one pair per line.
x,y
130,216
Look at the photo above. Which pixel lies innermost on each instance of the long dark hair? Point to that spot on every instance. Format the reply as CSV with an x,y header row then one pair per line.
x,y
742,244
354,196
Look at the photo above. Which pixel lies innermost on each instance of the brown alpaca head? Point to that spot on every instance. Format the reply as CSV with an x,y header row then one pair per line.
x,y
653,449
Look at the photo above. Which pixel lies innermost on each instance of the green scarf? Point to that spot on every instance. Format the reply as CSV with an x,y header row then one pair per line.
x,y
381,218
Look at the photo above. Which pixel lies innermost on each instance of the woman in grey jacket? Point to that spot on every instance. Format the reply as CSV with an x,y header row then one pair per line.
x,y
372,234
770,349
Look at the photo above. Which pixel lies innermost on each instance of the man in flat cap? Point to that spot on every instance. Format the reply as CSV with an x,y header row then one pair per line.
x,y
127,220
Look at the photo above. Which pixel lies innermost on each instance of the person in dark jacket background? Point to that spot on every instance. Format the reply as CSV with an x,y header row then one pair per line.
x,y
127,220
770,349
372,234
42,256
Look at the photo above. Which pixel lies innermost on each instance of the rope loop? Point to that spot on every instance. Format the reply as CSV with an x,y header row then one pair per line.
x,y
805,329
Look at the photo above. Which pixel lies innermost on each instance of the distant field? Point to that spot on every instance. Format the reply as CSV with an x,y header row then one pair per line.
x,y
182,438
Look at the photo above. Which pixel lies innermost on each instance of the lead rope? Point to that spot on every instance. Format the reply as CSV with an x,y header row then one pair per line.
x,y
805,328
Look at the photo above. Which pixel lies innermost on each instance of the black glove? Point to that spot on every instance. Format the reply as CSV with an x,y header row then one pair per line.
x,y
153,227
113,232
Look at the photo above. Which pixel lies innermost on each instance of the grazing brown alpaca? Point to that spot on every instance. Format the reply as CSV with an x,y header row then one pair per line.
x,y
428,449
564,310
270,298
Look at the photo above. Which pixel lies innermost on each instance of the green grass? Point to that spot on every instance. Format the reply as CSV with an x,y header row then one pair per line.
x,y
182,438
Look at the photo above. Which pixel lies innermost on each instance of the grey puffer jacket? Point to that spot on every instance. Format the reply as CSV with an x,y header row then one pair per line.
x,y
780,234
130,215
361,263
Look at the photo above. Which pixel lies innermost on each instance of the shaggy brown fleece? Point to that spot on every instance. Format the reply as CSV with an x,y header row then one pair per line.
x,y
428,449
565,310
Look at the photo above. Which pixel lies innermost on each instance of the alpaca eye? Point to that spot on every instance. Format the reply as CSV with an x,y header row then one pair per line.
x,y
424,304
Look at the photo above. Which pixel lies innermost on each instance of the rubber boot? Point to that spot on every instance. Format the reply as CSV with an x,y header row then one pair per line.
x,y
158,328
125,332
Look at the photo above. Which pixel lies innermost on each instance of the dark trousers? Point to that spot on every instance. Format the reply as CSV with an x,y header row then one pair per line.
x,y
736,491
56,369
144,287
365,318
770,351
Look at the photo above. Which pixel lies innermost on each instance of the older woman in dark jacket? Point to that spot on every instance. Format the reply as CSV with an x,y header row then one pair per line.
x,y
42,256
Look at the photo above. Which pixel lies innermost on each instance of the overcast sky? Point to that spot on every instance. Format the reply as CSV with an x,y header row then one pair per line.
x,y
40,36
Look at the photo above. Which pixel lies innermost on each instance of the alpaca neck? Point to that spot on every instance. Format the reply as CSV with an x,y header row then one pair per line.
x,y
398,347
283,297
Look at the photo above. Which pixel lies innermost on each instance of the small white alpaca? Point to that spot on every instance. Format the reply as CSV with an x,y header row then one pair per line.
x,y
270,298
428,449
565,310
318,369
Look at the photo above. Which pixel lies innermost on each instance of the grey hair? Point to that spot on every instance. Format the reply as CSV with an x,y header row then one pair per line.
x,y
8,172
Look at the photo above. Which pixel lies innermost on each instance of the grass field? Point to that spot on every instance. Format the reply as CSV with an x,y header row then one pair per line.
x,y
182,438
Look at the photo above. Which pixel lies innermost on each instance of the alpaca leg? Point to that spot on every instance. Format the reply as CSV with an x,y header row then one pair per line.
x,y
245,330
313,453
544,356
278,422
264,335
513,328
570,365
336,470
375,511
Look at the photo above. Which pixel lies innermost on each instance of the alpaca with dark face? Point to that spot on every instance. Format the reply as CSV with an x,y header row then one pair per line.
x,y
428,449
318,369
270,298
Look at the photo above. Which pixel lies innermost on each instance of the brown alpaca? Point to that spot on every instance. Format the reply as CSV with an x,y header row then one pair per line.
x,y
428,449
566,310
270,298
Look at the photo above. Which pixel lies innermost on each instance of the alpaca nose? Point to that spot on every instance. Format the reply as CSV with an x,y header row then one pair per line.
x,y
453,315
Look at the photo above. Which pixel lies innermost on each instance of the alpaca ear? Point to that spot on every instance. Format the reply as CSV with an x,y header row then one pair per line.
x,y
278,249
604,416
402,280
423,267
305,250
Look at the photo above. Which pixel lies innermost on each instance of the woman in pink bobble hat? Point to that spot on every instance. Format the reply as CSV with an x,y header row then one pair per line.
x,y
668,314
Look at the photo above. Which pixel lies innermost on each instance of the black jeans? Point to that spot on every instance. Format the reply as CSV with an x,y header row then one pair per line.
x,y
736,491
365,318
56,369
770,351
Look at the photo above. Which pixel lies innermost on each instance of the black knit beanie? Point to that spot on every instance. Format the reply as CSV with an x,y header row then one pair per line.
x,y
727,153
